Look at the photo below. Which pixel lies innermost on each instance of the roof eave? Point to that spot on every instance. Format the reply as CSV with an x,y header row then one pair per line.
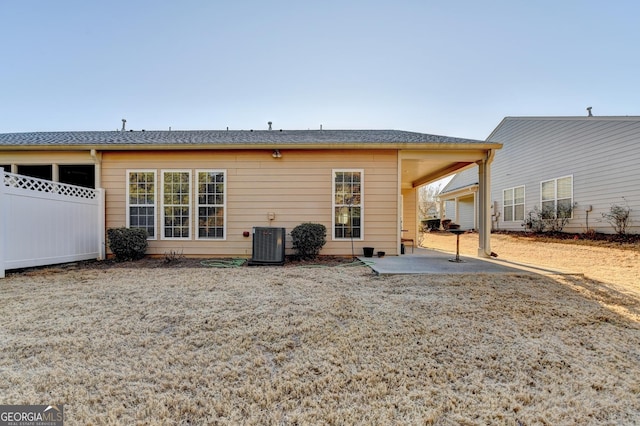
x,y
464,190
254,146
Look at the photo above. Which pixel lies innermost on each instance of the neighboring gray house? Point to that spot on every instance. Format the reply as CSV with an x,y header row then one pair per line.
x,y
586,163
458,199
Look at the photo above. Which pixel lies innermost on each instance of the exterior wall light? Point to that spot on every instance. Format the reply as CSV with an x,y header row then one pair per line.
x,y
276,153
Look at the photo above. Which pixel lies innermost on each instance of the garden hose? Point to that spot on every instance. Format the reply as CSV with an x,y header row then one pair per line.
x,y
223,263
356,262
236,263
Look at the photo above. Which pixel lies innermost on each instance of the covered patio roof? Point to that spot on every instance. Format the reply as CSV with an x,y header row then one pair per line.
x,y
420,167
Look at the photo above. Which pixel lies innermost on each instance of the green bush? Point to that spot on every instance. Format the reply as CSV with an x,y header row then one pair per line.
x,y
127,243
308,239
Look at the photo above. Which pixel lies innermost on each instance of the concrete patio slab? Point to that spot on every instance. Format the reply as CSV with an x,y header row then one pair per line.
x,y
424,261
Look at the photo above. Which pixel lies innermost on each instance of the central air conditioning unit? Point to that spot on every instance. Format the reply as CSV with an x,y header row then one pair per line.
x,y
268,246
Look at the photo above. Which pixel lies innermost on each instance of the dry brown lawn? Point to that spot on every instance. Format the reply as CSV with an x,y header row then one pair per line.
x,y
333,345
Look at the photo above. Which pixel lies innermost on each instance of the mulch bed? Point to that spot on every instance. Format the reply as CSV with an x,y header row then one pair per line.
x,y
191,262
565,236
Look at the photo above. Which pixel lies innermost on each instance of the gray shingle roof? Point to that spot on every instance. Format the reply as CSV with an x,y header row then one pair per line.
x,y
559,129
225,138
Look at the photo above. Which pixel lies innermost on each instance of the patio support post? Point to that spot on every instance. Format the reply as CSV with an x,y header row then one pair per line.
x,y
484,204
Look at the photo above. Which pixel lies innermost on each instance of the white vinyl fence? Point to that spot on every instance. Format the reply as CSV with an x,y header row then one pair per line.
x,y
44,222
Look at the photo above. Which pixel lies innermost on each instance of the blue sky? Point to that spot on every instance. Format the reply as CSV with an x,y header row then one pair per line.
x,y
450,68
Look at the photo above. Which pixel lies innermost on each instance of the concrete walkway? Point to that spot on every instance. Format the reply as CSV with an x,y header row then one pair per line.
x,y
424,261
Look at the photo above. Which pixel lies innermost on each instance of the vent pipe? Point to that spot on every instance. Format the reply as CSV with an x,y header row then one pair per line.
x,y
270,123
589,111
123,123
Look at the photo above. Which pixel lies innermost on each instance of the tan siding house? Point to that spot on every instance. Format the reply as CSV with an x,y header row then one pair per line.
x,y
200,192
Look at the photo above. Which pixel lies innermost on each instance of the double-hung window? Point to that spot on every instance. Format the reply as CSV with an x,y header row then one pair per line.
x,y
180,218
176,204
141,201
348,204
211,203
557,197
513,204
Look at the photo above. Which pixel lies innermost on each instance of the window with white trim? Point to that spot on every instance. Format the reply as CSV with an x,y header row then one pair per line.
x,y
513,204
557,196
141,200
176,204
211,204
348,204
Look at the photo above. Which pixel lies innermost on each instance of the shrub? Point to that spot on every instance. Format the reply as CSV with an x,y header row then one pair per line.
x,y
173,256
590,234
308,239
547,219
558,221
535,220
619,217
127,243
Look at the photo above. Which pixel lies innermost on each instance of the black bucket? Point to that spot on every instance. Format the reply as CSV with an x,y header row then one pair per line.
x,y
368,251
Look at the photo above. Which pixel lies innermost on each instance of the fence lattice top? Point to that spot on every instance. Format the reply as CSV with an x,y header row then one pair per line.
x,y
35,184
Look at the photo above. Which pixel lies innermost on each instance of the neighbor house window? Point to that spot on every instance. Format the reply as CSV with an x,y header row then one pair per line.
x,y
347,204
176,204
513,204
141,201
211,204
557,196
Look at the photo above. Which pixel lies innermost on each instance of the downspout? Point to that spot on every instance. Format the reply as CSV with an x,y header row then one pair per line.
x,y
97,161
484,203
475,209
